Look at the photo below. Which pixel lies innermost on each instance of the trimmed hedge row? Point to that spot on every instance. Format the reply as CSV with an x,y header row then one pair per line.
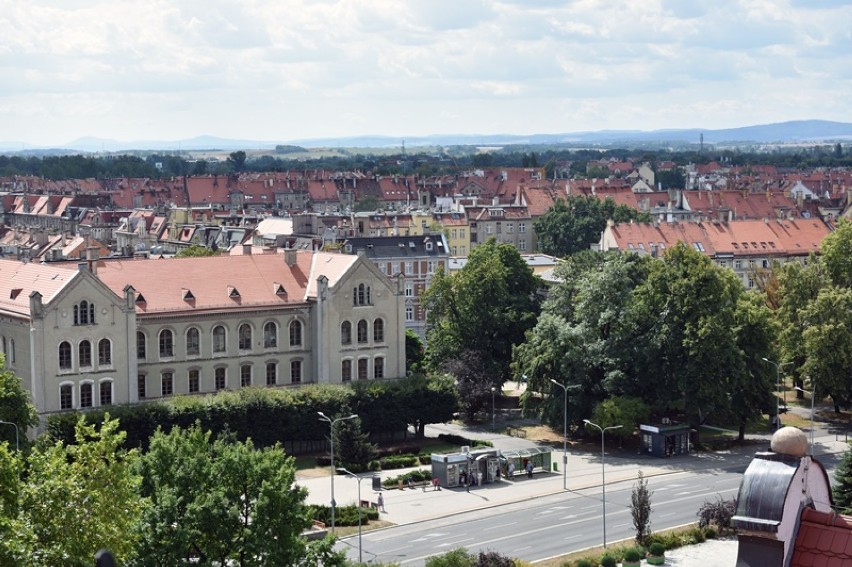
x,y
343,515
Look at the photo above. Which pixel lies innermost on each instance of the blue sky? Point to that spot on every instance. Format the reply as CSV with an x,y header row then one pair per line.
x,y
287,69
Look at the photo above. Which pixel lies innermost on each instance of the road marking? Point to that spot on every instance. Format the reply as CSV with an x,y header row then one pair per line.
x,y
449,543
569,517
622,525
429,536
499,526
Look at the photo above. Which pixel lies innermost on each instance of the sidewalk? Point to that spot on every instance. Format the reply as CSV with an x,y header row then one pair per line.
x,y
584,471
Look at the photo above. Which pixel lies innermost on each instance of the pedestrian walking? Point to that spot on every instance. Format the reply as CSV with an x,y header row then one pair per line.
x,y
381,502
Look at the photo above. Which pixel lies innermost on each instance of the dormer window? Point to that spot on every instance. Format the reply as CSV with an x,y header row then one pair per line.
x,y
279,290
140,299
233,293
429,246
187,295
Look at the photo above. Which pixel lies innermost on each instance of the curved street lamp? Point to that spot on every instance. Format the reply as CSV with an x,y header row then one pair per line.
x,y
359,479
603,478
331,423
565,431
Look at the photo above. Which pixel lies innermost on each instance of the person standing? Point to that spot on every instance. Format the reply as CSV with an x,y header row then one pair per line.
x,y
511,469
380,504
529,469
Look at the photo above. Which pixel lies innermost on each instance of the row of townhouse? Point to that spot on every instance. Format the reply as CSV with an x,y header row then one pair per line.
x,y
124,331
745,246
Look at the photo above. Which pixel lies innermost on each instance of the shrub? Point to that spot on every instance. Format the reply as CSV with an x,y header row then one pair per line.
x,y
719,512
416,476
455,558
710,533
584,563
608,561
633,555
657,549
493,559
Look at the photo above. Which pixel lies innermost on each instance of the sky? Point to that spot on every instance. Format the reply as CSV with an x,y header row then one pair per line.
x,y
282,70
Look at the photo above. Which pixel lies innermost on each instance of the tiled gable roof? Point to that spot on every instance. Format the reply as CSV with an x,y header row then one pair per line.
x,y
824,540
18,280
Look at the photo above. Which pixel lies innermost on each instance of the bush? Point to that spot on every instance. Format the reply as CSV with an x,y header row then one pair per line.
x,y
719,512
398,462
710,533
455,558
608,561
657,549
633,555
343,516
493,559
462,441
416,476
584,563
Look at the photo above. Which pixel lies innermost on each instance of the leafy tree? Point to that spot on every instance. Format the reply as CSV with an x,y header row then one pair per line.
x,y
237,160
842,489
353,445
200,167
640,509
623,411
367,204
219,502
15,407
196,251
836,254
827,340
671,179
75,500
478,314
575,224
414,352
426,400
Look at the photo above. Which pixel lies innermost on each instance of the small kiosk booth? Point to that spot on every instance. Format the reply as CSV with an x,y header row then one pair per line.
x,y
666,439
466,468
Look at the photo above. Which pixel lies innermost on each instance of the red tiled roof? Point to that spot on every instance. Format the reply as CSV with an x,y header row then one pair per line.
x,y
824,540
18,280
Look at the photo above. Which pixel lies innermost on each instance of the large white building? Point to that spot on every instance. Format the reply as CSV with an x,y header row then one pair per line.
x,y
113,332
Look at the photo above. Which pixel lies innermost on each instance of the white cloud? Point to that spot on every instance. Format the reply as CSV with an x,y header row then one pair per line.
x,y
298,69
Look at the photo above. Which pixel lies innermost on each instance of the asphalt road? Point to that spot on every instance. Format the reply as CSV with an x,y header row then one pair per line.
x,y
549,526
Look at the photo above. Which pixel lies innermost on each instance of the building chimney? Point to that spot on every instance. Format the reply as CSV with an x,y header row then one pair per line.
x,y
246,249
92,259
290,256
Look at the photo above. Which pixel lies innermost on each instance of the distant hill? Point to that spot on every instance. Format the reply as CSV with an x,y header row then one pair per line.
x,y
802,131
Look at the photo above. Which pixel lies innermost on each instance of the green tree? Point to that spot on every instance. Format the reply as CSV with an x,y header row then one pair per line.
x,y
219,502
842,489
237,160
354,449
623,411
367,204
196,251
75,500
414,352
575,224
481,312
428,399
15,407
827,339
640,510
836,254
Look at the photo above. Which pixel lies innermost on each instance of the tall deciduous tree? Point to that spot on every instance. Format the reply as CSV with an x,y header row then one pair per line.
x,y
15,407
827,339
836,254
482,312
640,509
75,500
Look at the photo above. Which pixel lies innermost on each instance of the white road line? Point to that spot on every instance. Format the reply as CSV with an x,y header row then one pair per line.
x,y
497,527
449,543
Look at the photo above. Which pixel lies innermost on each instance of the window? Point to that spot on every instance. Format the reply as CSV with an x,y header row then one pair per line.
x,y
409,289
295,333
522,245
409,268
394,269
167,384
346,333
378,367
296,372
454,250
362,331
66,397
104,352
379,331
361,295
362,369
11,350
106,393
487,229
346,371
463,250
738,264
84,352
219,379
499,228
194,385
461,233
140,345
218,338
65,355
193,342
511,227
84,313
244,337
245,375
409,313
141,390
271,373
86,395
167,344
430,267
270,335
522,227
454,234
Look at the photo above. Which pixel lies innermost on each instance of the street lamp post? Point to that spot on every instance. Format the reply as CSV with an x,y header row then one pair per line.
x,y
565,432
331,423
17,434
493,391
777,389
603,430
359,479
813,397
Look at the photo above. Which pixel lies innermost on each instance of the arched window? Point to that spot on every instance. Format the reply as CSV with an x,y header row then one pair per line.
x,y
105,393
361,295
245,375
193,342
296,372
270,335
346,370
271,373
218,338
104,352
141,350
362,331
65,355
86,395
362,369
379,331
167,344
84,313
84,352
346,333
245,337
378,367
66,397
295,333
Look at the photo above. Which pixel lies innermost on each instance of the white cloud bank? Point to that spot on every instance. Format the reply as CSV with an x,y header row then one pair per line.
x,y
289,69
